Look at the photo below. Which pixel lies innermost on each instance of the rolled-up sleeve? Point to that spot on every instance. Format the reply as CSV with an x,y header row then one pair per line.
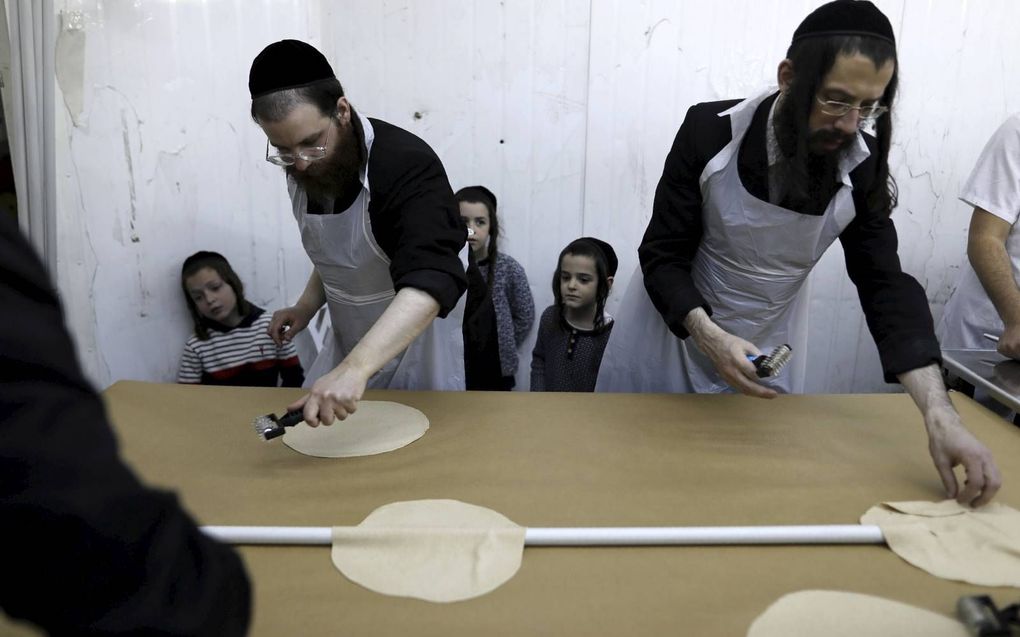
x,y
418,226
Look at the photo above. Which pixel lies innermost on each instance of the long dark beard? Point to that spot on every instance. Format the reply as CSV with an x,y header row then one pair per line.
x,y
334,176
810,178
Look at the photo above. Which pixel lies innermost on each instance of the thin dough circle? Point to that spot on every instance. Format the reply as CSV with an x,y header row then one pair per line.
x,y
842,614
436,550
951,541
377,427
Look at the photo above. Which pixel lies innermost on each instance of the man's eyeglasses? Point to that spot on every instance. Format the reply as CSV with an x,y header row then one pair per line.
x,y
839,109
309,154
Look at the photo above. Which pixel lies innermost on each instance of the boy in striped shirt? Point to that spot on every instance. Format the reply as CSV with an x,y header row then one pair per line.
x,y
231,344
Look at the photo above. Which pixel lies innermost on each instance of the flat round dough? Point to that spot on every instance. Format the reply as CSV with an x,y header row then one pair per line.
x,y
436,550
377,427
979,546
841,614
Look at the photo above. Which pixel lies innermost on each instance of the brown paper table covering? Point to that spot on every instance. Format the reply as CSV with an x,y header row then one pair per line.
x,y
567,460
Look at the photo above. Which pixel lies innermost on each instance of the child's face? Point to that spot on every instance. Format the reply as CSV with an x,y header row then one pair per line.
x,y
579,281
214,299
476,217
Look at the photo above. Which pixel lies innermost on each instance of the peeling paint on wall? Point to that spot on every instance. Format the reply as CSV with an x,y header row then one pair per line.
x,y
70,62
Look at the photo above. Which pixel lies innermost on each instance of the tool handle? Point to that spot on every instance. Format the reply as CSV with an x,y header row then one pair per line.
x,y
290,418
274,433
759,365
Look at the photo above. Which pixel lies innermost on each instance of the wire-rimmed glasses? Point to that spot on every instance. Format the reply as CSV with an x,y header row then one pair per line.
x,y
310,154
868,112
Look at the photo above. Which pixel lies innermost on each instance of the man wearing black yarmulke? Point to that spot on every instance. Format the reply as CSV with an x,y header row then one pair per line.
x,y
753,193
379,221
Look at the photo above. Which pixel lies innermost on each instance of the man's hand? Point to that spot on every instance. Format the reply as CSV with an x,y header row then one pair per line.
x,y
1009,342
333,397
949,442
286,323
336,394
728,354
951,445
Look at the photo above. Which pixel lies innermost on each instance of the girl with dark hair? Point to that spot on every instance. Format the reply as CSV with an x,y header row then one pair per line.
x,y
231,344
500,310
573,332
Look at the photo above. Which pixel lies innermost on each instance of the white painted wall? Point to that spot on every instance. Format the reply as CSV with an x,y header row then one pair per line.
x,y
565,108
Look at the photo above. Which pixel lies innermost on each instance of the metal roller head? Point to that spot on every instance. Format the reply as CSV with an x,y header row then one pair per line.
x,y
771,365
982,619
266,425
272,426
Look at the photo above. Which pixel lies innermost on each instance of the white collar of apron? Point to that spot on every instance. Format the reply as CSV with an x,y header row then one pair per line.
x,y
742,114
366,127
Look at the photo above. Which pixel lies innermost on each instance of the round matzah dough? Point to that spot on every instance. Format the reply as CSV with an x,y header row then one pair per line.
x,y
949,540
436,550
840,614
377,427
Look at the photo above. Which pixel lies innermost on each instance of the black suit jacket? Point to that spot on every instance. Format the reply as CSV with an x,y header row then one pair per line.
x,y
88,549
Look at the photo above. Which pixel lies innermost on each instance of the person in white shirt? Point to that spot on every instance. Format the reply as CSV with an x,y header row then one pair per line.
x,y
987,297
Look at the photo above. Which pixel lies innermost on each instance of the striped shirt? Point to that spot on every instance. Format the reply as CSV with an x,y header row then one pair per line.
x,y
242,355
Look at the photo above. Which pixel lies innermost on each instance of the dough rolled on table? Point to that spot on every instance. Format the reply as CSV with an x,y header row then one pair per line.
x,y
377,427
435,550
842,614
948,540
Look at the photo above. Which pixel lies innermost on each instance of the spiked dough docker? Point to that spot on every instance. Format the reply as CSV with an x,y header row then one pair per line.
x,y
270,426
771,364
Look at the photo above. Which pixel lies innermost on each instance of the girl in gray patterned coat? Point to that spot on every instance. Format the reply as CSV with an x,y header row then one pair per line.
x,y
573,332
500,310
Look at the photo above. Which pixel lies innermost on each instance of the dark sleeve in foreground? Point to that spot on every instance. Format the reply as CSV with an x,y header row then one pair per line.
x,y
414,216
90,550
674,232
894,303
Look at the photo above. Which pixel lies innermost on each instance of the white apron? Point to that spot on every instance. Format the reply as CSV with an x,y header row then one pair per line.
x,y
356,278
970,313
752,261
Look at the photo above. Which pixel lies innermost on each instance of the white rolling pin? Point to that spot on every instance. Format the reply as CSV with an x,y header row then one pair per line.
x,y
596,536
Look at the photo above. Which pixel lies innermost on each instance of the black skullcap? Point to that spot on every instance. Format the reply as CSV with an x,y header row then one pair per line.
x,y
846,17
607,251
202,256
477,194
287,64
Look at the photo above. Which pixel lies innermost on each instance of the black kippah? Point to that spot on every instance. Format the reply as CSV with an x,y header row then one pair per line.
x,y
287,64
202,256
477,194
846,17
607,251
